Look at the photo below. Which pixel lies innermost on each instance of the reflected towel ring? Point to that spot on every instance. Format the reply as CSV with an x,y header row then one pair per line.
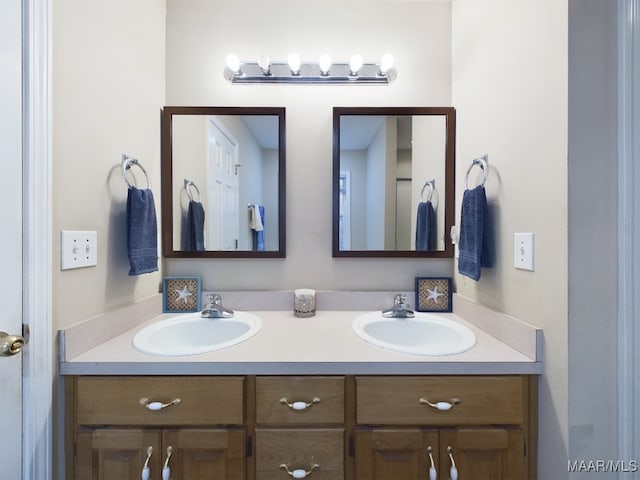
x,y
483,163
190,183
127,163
432,185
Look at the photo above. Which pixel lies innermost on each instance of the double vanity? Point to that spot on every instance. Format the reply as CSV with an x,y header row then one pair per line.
x,y
272,396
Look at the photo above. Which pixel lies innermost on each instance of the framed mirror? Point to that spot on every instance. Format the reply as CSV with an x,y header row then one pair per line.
x,y
393,181
223,182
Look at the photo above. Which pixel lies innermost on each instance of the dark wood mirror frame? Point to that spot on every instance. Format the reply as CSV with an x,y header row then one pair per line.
x,y
168,249
449,196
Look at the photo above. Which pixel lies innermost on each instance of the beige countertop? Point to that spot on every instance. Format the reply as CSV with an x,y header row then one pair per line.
x,y
323,344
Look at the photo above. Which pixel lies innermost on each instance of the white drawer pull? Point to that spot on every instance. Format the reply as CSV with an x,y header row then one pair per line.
x,y
166,470
299,472
433,474
453,471
299,405
145,469
442,406
144,401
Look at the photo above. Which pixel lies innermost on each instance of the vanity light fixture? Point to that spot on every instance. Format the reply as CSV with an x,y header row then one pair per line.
x,y
294,70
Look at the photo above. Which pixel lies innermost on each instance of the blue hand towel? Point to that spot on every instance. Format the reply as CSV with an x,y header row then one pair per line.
x,y
195,227
142,232
473,244
426,227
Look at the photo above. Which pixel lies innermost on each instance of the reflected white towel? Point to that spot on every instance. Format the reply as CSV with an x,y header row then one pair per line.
x,y
255,221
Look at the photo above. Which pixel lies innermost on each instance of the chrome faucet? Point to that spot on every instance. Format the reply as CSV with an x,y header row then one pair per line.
x,y
214,309
400,308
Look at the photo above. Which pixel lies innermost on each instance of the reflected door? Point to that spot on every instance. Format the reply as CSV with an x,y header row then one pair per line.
x,y
223,230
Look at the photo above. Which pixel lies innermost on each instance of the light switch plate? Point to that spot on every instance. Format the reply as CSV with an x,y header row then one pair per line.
x,y
78,249
523,251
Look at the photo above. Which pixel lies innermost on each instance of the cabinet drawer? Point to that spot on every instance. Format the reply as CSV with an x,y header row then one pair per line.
x,y
300,449
203,400
299,400
482,400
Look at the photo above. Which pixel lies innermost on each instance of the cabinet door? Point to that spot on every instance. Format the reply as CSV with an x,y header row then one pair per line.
x,y
114,454
482,453
388,453
205,453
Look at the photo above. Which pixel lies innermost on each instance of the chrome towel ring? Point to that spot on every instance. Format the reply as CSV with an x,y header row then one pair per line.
x,y
432,186
127,163
482,162
191,184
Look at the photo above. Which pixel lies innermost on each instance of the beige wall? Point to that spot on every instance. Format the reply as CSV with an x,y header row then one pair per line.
x,y
201,33
108,89
510,89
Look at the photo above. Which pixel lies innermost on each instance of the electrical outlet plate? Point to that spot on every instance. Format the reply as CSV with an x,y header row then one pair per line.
x,y
78,249
523,251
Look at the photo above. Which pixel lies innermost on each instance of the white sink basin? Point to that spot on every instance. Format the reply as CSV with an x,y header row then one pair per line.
x,y
190,334
425,334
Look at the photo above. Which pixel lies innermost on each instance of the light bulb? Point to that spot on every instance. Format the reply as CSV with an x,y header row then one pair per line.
x,y
386,63
233,63
355,64
265,64
294,63
325,63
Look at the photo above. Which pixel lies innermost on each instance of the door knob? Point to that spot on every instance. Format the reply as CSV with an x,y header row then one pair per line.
x,y
10,344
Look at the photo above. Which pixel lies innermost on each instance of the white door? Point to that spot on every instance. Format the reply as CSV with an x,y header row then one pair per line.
x,y
11,236
223,206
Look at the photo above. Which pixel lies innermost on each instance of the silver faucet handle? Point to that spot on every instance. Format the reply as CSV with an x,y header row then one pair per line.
x,y
214,299
400,299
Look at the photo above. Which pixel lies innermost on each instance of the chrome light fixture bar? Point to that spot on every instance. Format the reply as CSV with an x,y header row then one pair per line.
x,y
355,72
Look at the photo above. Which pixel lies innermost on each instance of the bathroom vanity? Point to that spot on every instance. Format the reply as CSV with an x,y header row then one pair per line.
x,y
304,398
327,427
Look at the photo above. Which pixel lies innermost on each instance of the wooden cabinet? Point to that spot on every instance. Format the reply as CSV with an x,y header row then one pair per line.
x,y
482,426
476,453
300,428
196,421
114,453
317,427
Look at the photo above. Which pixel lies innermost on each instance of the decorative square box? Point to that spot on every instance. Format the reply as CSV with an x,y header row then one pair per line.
x,y
181,294
433,294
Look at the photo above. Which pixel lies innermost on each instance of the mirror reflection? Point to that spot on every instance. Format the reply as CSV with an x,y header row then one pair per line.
x,y
223,181
393,181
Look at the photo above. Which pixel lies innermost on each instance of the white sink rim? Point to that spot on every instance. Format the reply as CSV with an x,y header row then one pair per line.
x,y
143,340
461,338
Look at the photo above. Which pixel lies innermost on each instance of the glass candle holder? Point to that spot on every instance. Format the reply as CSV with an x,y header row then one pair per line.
x,y
304,302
